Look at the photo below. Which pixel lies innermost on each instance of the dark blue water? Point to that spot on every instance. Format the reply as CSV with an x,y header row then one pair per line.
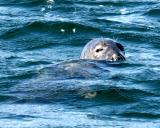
x,y
43,84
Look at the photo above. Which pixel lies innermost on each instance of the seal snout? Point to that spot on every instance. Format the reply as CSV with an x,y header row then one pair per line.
x,y
118,57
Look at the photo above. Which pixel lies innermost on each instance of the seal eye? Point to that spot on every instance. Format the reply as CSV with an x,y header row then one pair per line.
x,y
100,49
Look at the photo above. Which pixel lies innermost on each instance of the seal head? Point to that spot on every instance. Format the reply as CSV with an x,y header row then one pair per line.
x,y
103,49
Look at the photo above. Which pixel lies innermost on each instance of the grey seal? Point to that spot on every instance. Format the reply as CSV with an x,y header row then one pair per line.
x,y
103,49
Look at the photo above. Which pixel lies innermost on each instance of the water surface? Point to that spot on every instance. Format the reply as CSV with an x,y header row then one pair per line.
x,y
44,84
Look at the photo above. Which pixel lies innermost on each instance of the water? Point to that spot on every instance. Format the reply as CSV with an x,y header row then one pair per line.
x,y
44,84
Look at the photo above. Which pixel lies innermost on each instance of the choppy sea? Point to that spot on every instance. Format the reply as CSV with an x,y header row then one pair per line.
x,y
43,84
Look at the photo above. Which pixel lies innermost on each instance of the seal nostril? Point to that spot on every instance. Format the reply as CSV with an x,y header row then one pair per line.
x,y
112,59
121,57
117,57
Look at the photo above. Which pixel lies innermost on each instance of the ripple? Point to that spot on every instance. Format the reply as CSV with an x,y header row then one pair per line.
x,y
141,115
122,95
49,27
24,2
48,33
7,99
153,12
118,3
41,76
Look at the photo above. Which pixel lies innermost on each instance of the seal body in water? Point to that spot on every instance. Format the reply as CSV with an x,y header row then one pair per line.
x,y
103,49
96,49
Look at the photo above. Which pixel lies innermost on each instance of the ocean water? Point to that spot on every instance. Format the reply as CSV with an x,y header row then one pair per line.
x,y
43,84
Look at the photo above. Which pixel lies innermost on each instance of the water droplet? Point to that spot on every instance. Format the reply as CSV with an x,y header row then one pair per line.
x,y
43,9
101,5
74,30
123,11
50,6
62,30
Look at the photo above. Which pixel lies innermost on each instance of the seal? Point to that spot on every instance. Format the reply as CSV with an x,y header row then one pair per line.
x,y
103,49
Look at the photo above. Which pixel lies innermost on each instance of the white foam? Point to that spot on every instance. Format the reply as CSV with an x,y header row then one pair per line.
x,y
123,11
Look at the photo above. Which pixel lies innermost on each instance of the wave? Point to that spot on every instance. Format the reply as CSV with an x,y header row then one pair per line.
x,y
121,95
7,98
51,84
116,3
88,2
141,115
49,27
61,94
49,34
23,2
153,12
